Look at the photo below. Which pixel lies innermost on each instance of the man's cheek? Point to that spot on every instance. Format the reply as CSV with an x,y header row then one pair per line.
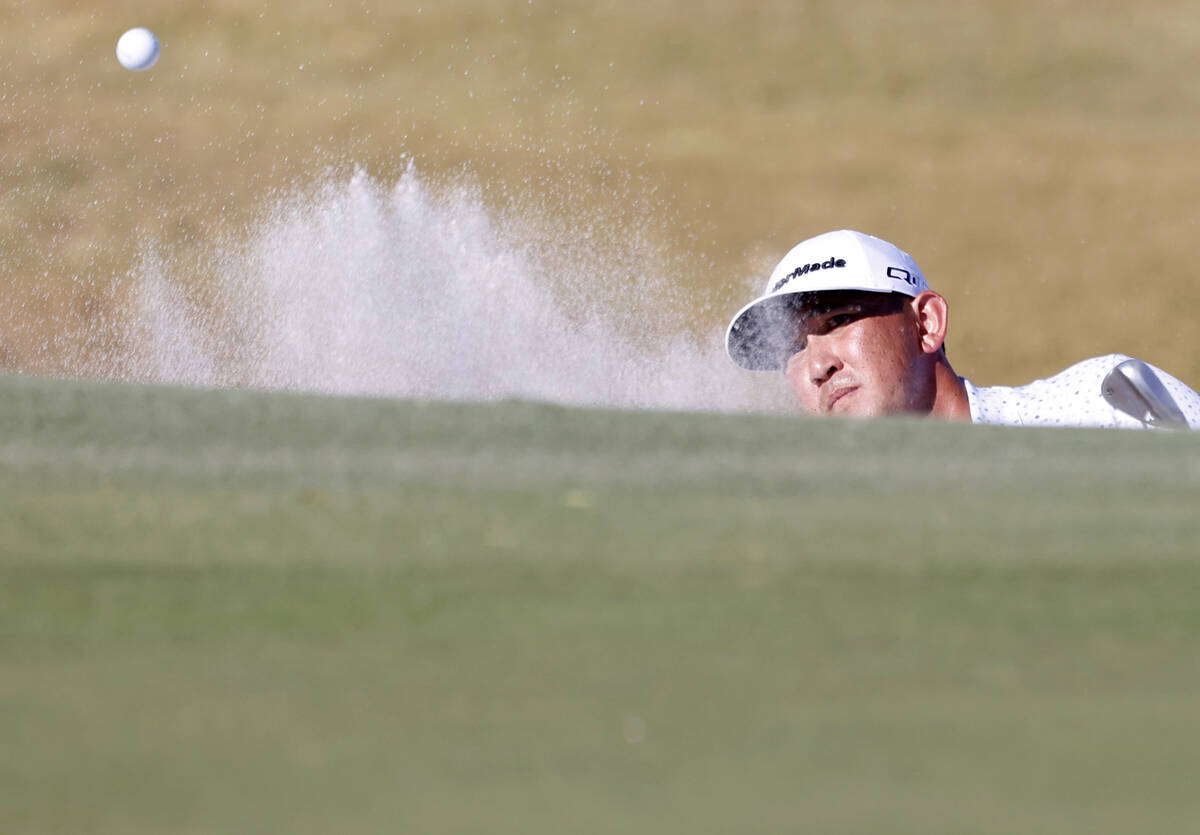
x,y
806,397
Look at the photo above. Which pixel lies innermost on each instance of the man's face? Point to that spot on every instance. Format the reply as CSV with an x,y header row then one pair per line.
x,y
858,354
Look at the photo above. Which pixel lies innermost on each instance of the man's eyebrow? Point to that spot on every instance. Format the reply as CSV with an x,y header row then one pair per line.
x,y
820,310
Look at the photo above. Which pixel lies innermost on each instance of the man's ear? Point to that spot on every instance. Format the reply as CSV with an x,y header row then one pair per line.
x,y
933,319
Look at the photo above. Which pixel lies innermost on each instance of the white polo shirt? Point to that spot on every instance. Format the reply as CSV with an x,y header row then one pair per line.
x,y
1071,398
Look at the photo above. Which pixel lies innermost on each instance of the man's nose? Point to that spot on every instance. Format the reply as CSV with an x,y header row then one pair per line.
x,y
823,363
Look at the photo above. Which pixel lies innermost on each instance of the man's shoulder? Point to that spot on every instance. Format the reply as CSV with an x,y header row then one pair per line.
x,y
1088,368
1069,398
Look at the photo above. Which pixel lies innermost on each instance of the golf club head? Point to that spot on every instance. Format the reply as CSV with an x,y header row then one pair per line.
x,y
1134,389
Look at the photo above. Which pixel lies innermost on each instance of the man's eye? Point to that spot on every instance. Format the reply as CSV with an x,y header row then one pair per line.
x,y
839,320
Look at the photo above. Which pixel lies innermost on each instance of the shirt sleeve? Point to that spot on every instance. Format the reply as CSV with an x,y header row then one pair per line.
x,y
1073,397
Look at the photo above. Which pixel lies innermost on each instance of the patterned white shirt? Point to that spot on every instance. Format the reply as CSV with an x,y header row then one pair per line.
x,y
1072,397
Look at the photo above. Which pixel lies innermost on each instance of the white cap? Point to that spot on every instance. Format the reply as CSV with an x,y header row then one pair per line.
x,y
841,260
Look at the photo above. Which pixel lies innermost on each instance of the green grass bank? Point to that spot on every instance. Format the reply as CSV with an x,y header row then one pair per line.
x,y
236,611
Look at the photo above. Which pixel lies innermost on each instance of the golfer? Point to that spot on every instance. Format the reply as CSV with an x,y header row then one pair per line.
x,y
853,325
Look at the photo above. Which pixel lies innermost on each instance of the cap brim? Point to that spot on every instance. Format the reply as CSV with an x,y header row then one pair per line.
x,y
761,333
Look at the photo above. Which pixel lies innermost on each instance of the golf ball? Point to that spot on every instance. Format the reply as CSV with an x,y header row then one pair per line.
x,y
137,49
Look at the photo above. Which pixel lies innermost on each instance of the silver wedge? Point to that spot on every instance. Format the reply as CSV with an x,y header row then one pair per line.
x,y
1133,388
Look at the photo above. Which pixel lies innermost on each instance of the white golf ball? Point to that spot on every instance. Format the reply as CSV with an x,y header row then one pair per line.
x,y
137,49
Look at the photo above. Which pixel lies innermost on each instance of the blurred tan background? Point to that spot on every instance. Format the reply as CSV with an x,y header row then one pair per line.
x,y
1038,159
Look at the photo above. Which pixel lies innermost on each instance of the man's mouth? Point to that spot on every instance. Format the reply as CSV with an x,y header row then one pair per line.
x,y
837,394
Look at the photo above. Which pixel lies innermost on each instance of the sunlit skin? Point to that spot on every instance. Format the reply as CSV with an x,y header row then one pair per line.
x,y
862,354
